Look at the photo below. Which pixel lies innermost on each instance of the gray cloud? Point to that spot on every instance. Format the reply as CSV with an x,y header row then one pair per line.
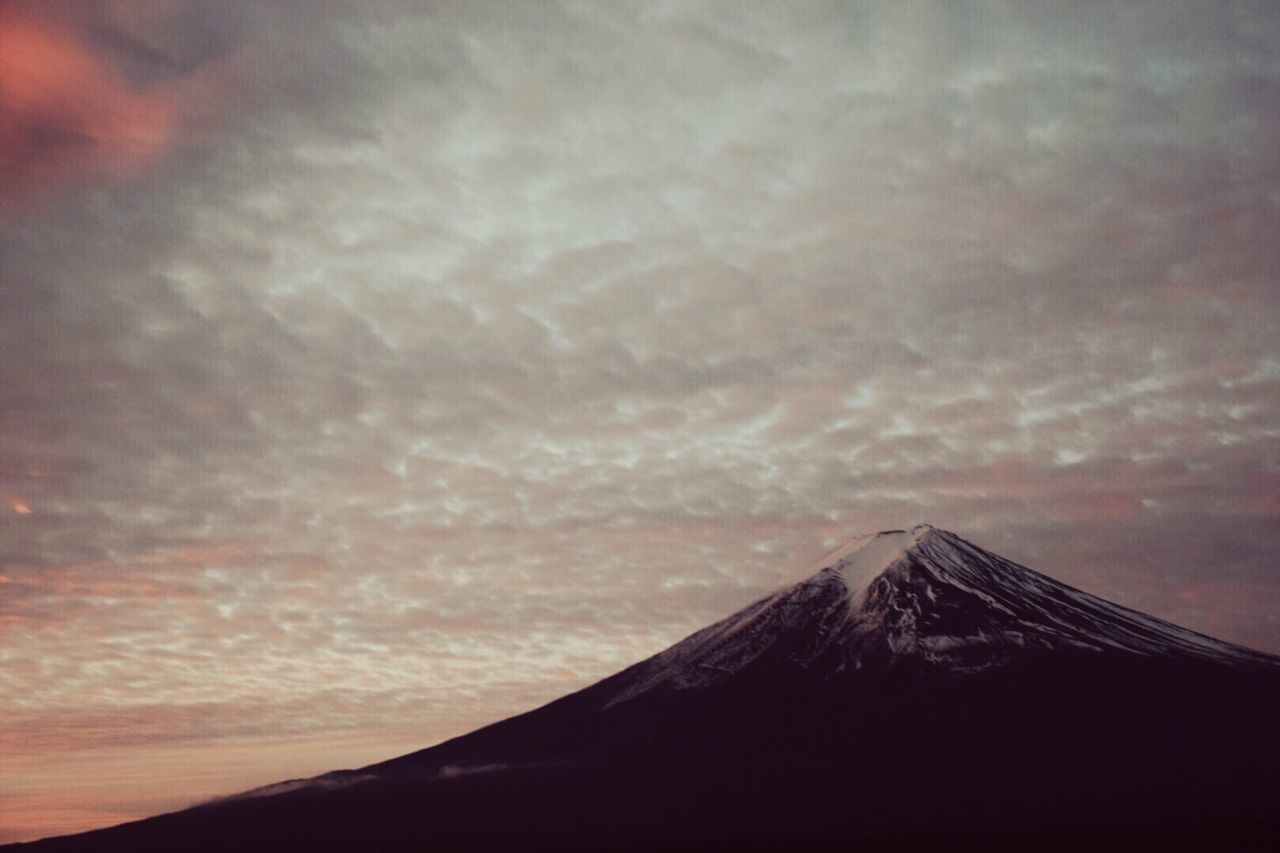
x,y
453,335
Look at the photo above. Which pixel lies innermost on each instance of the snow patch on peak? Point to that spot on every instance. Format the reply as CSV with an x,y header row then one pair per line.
x,y
864,558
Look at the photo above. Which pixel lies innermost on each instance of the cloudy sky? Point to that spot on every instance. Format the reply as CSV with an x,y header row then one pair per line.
x,y
373,370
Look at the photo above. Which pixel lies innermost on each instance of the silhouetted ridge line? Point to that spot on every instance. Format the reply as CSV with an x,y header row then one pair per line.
x,y
914,691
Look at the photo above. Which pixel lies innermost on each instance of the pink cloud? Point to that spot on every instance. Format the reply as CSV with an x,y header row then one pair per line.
x,y
67,115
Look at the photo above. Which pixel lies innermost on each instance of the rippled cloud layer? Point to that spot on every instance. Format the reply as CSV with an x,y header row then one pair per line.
x,y
373,371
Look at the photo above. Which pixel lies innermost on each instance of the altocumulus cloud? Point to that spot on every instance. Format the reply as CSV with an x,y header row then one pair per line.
x,y
393,367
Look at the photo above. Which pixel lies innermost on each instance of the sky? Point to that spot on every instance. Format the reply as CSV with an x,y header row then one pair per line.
x,y
371,371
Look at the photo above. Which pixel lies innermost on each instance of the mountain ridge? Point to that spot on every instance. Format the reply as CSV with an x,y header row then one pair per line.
x,y
1003,701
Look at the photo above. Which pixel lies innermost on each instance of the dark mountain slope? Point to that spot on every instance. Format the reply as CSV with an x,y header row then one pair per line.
x,y
916,692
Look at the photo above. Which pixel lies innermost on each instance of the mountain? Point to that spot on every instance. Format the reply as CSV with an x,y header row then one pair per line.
x,y
915,693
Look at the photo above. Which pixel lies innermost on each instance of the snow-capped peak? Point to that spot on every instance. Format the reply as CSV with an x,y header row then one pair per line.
x,y
863,558
920,597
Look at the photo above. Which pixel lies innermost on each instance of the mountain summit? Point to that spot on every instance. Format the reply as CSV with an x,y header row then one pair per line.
x,y
915,692
922,597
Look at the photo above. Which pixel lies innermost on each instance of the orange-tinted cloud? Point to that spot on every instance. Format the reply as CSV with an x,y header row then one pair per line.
x,y
67,115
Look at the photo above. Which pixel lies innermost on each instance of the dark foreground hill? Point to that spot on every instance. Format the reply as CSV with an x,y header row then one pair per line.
x,y
916,693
